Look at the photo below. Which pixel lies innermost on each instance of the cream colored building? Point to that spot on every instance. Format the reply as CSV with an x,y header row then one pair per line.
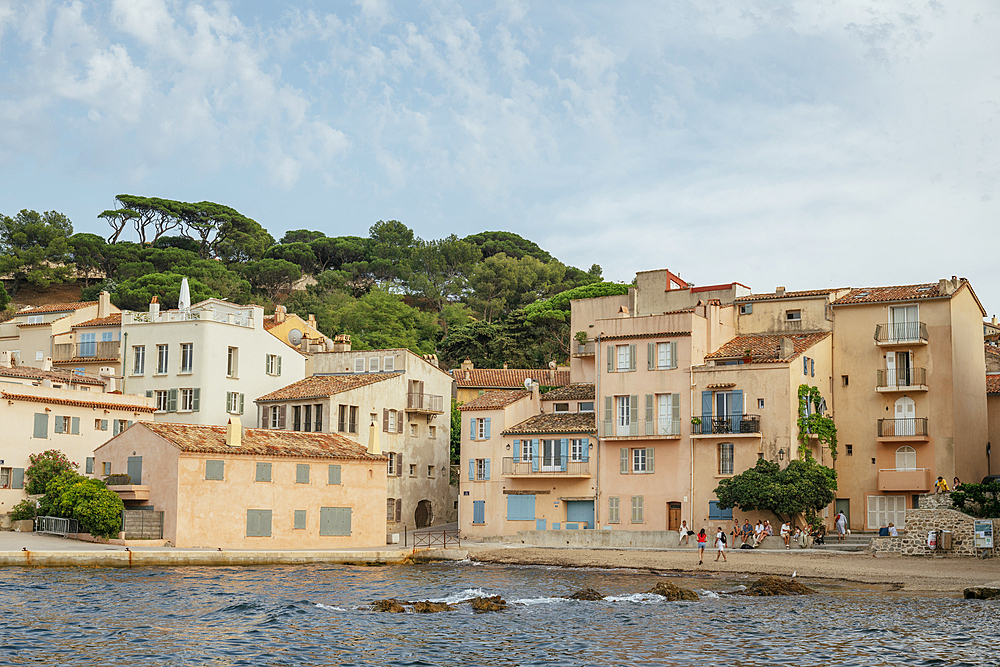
x,y
299,334
236,488
471,382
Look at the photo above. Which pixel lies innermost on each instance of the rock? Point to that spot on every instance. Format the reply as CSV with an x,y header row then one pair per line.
x,y
428,607
495,603
981,593
776,586
672,592
586,594
390,605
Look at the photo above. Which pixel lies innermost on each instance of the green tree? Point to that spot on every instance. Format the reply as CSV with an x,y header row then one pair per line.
x,y
981,500
334,253
4,297
181,242
44,467
35,248
271,276
151,217
300,236
440,269
392,244
380,320
804,486
227,284
508,243
87,253
242,239
456,433
487,344
297,253
136,293
501,284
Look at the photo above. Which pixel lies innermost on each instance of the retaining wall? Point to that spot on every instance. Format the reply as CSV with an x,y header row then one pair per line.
x,y
920,522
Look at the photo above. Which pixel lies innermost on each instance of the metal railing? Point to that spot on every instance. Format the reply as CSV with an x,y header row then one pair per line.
x,y
901,377
649,428
431,402
722,424
900,332
540,465
897,428
442,539
56,525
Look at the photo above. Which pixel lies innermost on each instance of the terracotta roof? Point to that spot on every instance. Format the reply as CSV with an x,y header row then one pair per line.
x,y
55,376
992,349
993,384
580,391
103,404
892,293
321,386
269,322
765,348
563,422
56,308
661,334
109,321
261,442
494,400
509,378
800,294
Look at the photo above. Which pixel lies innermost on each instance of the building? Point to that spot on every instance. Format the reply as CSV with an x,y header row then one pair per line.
x,y
206,363
237,488
405,396
299,334
471,382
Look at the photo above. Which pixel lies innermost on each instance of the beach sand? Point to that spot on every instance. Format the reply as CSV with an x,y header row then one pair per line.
x,y
911,574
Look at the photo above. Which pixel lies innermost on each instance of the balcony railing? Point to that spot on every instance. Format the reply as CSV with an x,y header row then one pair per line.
x,y
902,428
583,349
104,349
723,424
424,402
541,465
901,332
666,428
901,377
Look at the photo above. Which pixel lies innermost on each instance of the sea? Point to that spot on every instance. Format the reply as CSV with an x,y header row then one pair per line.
x,y
320,615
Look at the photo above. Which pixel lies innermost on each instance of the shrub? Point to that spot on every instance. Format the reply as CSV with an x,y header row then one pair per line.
x,y
981,500
89,501
26,509
45,467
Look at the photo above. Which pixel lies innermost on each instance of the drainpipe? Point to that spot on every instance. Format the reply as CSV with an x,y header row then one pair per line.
x,y
597,423
691,449
122,356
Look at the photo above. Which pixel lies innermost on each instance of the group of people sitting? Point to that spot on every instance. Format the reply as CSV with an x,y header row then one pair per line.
x,y
750,536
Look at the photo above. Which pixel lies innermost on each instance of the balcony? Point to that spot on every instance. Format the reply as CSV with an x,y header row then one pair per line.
x,y
896,479
425,404
583,349
901,379
727,425
659,428
913,428
901,333
105,349
130,491
538,466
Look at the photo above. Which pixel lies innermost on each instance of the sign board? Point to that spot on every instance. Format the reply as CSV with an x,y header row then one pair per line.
x,y
984,534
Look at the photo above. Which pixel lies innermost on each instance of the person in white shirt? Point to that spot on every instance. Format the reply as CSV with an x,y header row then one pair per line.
x,y
758,532
720,542
892,531
685,533
786,532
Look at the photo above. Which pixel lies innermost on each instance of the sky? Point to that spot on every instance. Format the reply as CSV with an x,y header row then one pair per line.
x,y
804,144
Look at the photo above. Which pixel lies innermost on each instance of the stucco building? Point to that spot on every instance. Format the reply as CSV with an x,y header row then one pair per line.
x,y
471,382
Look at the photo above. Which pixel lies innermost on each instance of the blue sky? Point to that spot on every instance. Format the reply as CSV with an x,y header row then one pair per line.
x,y
805,144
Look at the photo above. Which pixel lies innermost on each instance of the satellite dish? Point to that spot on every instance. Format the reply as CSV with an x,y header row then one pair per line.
x,y
527,383
295,337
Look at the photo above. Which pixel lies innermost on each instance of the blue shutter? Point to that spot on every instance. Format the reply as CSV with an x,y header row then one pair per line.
x,y
586,449
737,408
534,455
472,429
706,409
75,426
563,455
486,428
517,450
41,425
478,511
472,470
487,477
812,368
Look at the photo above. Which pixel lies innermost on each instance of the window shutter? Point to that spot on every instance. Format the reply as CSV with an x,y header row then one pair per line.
x,y
706,412
633,413
650,356
195,399
263,472
385,420
399,464
333,474
117,426
300,520
171,400
149,393
281,416
631,357
517,450
75,426
399,421
267,364
472,469
563,454
104,424
650,411
805,365
738,402
649,459
399,509
59,424
486,428
279,364
229,400
534,455
672,351
90,465
812,368
472,429
623,455
17,478
585,444
608,415
611,358
128,423
215,470
302,473
241,403
675,409
265,421
487,470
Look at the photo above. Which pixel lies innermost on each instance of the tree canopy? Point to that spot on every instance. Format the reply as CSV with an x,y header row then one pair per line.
x,y
804,486
35,248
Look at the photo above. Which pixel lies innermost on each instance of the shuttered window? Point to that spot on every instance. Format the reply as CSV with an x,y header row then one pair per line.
x,y
300,520
613,511
41,425
302,473
637,508
725,458
478,512
258,523
90,465
335,521
333,474
215,470
521,508
263,472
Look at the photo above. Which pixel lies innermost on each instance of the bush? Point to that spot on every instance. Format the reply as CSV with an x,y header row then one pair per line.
x,y
45,467
89,501
980,500
26,509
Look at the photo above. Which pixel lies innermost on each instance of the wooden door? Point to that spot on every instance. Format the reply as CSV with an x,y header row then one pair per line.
x,y
673,516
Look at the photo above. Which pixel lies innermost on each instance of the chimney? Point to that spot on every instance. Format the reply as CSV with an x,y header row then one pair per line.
x,y
947,287
279,314
234,432
779,291
110,386
505,365
994,320
154,308
467,365
786,348
623,312
312,320
374,448
47,364
104,304
342,343
5,358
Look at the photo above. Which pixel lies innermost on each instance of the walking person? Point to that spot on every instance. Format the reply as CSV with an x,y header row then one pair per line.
x,y
841,523
720,543
702,538
685,533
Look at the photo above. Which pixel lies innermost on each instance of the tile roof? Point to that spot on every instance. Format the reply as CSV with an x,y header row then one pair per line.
x,y
992,349
321,386
509,378
800,294
993,384
269,322
563,422
494,400
661,334
109,321
261,442
102,404
892,293
55,376
766,348
580,391
56,308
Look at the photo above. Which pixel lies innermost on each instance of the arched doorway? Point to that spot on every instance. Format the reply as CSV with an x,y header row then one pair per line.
x,y
423,515
905,413
906,458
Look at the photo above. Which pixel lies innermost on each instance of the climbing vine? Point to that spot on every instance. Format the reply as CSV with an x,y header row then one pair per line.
x,y
814,422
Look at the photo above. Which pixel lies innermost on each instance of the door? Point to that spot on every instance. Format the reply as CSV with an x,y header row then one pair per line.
x,y
673,516
906,458
906,417
135,469
551,456
905,324
883,510
580,511
844,505
423,516
624,416
904,369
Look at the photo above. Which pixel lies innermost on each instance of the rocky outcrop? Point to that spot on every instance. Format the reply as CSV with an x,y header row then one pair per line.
x,y
494,603
428,607
672,592
982,592
769,585
390,605
586,594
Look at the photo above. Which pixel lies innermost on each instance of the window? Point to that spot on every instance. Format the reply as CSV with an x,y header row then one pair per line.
x,y
432,431
233,362
234,403
5,474
585,406
641,459
883,510
520,507
725,458
138,359
62,424
359,365
297,418
373,364
35,319
413,430
389,364
793,315
637,509
318,412
746,309
430,472
478,512
479,429
89,465
392,464
258,523
107,467
302,473
272,364
300,520
390,421
845,379
215,470
624,423
760,403
307,418
560,407
161,400
97,424
390,509
277,417
662,356
613,516
263,472
188,400
624,356
413,470
333,474
187,357
335,521
120,425
162,358
87,347
849,450
342,418
576,450
482,469
906,458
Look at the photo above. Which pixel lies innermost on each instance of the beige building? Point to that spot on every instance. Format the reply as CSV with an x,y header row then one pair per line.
x,y
298,334
471,382
406,396
236,488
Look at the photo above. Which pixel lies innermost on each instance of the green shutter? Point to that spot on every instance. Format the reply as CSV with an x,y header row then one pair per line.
x,y
633,414
17,478
649,459
258,523
608,416
623,460
195,399
650,413
215,470
651,356
267,364
333,474
302,473
75,426
117,426
279,364
611,358
673,355
171,400
229,400
675,408
58,424
334,520
263,472
300,520
241,402
631,357
90,465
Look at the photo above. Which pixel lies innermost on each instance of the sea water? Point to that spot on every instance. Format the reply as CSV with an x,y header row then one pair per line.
x,y
318,615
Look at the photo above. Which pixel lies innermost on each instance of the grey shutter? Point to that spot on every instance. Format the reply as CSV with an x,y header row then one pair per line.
x,y
486,429
472,470
487,477
608,416
134,469
128,423
633,409
263,472
300,520
611,358
649,459
318,408
651,356
623,460
241,403
195,399
117,426
673,354
90,465
333,474
399,421
58,424
631,357
229,400
267,364
17,478
171,400
334,520
675,410
258,523
302,473
281,416
650,415
399,509
399,464
385,420
215,470
104,424
75,426
279,364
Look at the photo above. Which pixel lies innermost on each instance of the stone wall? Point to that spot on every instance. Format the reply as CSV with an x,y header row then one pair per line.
x,y
921,521
932,501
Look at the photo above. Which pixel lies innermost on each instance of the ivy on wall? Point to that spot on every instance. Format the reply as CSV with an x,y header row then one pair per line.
x,y
814,422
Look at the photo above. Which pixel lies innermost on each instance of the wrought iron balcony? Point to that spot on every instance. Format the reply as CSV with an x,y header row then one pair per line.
x,y
896,333
903,378
424,403
723,424
658,428
902,428
547,466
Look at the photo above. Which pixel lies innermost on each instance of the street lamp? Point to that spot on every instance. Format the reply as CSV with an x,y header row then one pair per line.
x,y
781,454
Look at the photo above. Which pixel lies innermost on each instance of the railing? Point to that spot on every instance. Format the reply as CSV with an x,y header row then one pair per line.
x,y
104,349
722,424
658,427
540,465
901,428
900,332
583,349
429,402
129,317
901,377
56,525
437,538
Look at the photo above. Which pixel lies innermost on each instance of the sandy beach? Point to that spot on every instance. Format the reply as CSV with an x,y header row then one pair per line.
x,y
938,576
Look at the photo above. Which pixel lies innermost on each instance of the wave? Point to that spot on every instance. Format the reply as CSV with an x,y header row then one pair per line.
x,y
636,598
533,601
462,596
712,595
329,607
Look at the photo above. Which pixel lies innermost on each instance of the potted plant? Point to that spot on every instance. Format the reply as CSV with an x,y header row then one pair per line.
x,y
747,356
581,339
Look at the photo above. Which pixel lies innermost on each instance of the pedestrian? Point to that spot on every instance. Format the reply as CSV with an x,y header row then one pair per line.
x,y
841,523
702,538
720,543
786,533
803,538
685,533
747,530
940,486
